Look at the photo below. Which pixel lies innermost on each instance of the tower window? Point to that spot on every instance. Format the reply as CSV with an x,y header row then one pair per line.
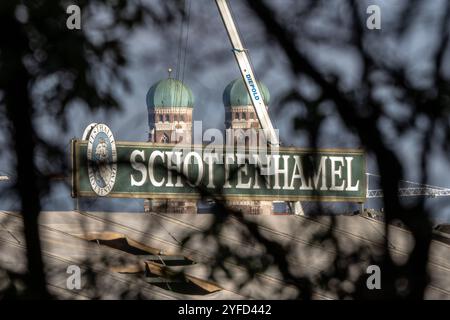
x,y
166,118
181,117
244,116
175,117
160,118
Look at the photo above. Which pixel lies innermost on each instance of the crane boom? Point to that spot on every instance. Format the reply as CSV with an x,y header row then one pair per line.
x,y
243,61
247,73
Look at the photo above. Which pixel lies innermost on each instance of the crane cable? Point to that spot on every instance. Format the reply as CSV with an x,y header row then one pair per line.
x,y
186,40
182,50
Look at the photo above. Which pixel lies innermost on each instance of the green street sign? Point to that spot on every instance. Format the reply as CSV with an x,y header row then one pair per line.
x,y
104,167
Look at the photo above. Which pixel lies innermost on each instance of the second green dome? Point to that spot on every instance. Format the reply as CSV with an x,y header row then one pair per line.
x,y
236,94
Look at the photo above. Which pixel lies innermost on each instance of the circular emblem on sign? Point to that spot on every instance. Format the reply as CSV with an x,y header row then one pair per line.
x,y
102,159
88,130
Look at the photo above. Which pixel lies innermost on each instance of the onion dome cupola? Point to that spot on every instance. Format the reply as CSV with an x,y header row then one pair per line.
x,y
170,104
239,111
169,93
236,94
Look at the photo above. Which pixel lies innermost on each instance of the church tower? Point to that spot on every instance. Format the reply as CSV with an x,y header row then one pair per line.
x,y
240,114
170,104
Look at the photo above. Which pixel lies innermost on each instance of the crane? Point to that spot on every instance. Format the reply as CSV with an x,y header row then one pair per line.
x,y
245,67
248,75
410,189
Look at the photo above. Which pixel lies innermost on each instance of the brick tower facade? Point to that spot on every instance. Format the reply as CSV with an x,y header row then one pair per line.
x,y
240,114
170,104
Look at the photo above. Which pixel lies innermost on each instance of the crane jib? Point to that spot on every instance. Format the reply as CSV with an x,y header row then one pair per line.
x,y
247,73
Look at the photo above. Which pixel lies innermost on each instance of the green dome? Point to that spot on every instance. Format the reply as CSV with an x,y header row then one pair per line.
x,y
236,94
169,93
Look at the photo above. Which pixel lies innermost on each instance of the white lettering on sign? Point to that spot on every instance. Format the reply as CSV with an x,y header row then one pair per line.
x,y
211,158
174,167
188,162
243,170
300,175
349,176
321,173
334,173
151,169
138,166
